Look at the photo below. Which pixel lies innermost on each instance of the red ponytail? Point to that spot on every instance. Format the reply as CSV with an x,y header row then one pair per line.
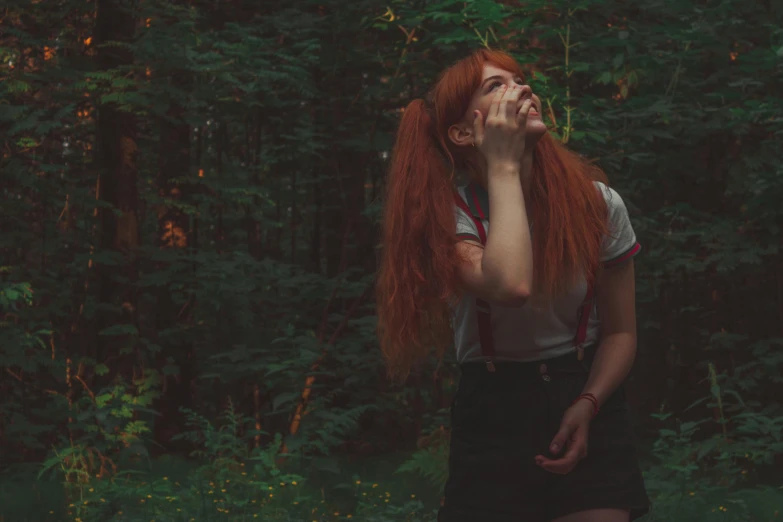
x,y
418,271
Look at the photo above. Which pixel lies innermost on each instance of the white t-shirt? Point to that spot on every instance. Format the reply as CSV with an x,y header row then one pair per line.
x,y
530,333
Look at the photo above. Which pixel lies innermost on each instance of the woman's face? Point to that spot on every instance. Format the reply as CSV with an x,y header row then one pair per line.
x,y
493,78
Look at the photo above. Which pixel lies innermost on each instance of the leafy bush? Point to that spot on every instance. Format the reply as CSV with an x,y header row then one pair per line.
x,y
230,479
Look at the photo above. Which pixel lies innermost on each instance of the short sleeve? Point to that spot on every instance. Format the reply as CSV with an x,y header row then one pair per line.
x,y
620,243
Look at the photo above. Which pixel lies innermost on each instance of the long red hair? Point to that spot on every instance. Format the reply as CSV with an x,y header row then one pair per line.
x,y
418,275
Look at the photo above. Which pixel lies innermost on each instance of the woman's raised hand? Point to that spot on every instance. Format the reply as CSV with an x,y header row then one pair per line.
x,y
502,137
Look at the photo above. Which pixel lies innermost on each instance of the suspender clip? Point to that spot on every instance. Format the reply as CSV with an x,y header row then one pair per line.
x,y
580,352
490,366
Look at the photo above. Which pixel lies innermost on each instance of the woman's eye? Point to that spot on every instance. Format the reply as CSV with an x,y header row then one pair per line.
x,y
494,85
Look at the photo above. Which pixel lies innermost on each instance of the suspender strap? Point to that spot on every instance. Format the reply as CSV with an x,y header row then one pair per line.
x,y
476,220
483,315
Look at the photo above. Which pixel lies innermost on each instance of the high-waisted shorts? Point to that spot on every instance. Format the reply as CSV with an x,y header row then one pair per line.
x,y
501,420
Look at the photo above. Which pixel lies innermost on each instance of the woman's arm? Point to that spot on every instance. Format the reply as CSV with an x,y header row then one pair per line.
x,y
501,272
612,362
616,301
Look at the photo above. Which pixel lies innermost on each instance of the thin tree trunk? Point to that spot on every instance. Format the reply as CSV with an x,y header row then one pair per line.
x,y
277,246
220,235
315,238
118,220
253,227
294,216
173,234
194,236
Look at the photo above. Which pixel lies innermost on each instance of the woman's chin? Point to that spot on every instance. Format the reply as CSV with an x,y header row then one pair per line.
x,y
535,127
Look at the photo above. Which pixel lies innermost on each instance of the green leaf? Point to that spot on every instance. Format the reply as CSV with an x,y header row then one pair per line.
x,y
16,86
26,143
327,464
604,78
120,329
284,398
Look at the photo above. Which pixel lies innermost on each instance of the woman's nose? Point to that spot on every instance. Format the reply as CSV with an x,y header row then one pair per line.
x,y
527,92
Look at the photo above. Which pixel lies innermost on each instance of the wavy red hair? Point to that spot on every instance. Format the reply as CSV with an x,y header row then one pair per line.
x,y
419,263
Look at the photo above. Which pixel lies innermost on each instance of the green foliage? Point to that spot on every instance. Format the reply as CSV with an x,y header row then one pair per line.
x,y
224,312
432,464
235,481
696,476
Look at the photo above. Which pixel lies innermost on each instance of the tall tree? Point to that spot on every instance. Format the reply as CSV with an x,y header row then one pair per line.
x,y
116,160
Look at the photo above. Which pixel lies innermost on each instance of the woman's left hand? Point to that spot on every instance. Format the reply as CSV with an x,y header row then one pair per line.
x,y
573,432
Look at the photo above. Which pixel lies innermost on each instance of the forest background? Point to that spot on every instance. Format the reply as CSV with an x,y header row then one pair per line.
x,y
191,195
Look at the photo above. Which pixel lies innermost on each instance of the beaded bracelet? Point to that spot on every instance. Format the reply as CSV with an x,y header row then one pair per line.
x,y
590,397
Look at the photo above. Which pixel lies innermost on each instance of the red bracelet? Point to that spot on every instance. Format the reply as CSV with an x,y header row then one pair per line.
x,y
590,397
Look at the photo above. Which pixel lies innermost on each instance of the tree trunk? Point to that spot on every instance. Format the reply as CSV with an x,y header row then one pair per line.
x,y
174,235
253,226
315,237
117,187
345,203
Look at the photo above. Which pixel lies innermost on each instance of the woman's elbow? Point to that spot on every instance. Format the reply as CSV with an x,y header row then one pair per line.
x,y
513,297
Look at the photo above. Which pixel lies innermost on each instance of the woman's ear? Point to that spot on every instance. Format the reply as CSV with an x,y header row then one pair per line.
x,y
460,135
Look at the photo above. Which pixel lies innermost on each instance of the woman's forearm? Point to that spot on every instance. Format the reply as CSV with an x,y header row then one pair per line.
x,y
611,365
508,255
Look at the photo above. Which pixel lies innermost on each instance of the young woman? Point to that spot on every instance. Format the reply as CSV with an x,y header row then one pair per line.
x,y
540,429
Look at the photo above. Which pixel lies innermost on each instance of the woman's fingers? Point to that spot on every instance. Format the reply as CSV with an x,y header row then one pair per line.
x,y
562,465
494,107
511,104
523,112
577,450
565,464
508,103
560,439
504,104
498,133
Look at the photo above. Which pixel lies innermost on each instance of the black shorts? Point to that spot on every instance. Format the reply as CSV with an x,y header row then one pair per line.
x,y
501,420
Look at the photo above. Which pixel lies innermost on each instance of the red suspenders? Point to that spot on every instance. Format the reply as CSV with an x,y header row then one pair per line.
x,y
482,307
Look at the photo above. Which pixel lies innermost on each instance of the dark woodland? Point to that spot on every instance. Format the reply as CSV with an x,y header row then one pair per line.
x,y
190,196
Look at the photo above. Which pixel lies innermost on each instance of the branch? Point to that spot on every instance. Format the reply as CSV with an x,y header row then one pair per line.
x,y
86,388
310,380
